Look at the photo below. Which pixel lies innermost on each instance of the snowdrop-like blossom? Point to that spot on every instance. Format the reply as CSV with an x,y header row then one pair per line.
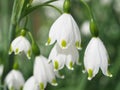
x,y
43,72
20,44
1,70
31,84
61,57
85,29
96,57
14,80
65,31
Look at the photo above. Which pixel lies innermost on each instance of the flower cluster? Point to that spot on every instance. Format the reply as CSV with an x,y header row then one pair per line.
x,y
67,34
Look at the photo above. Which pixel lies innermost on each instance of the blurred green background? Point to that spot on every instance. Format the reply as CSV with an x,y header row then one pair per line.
x,y
107,15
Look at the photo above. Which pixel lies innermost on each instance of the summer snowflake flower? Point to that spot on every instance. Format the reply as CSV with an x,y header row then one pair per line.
x,y
31,84
43,72
14,80
61,57
20,44
65,31
96,57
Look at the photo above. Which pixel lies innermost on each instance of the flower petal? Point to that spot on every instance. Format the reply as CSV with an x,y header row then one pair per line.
x,y
104,58
31,84
77,34
91,57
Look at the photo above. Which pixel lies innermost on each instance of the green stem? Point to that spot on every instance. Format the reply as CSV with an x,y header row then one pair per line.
x,y
15,18
93,26
55,8
32,8
35,48
88,8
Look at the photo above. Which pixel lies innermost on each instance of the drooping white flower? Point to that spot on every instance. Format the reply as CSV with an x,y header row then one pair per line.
x,y
14,80
61,57
96,57
85,29
43,72
1,70
65,31
20,44
31,84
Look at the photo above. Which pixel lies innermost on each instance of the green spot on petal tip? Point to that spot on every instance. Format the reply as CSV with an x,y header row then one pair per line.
x,y
29,54
56,65
10,50
90,74
48,41
41,86
71,65
109,74
16,51
54,82
78,45
63,43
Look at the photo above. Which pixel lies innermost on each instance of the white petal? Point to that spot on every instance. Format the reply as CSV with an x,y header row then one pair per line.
x,y
39,71
92,58
69,62
104,58
59,62
49,72
59,75
77,33
31,84
53,53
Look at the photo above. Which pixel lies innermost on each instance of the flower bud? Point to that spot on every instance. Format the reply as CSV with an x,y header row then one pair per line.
x,y
93,28
67,6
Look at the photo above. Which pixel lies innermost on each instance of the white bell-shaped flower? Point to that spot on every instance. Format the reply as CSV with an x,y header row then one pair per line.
x,y
96,57
61,57
14,80
20,44
31,84
43,72
65,31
